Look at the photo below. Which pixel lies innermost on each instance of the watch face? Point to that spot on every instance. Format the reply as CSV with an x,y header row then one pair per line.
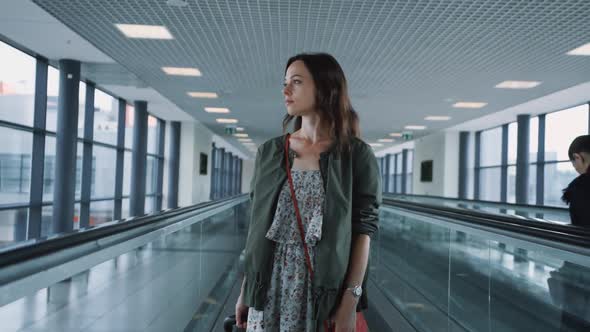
x,y
357,291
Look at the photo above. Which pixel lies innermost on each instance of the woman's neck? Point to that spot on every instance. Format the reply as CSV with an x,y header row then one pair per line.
x,y
313,129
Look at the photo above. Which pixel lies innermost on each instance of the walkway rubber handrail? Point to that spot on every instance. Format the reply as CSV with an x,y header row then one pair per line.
x,y
509,206
24,251
553,232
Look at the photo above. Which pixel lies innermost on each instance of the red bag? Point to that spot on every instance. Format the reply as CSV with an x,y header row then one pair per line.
x,y
361,323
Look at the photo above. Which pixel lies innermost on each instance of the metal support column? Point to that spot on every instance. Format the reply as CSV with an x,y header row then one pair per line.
x,y
241,179
139,159
463,163
120,159
65,149
87,156
522,159
160,170
476,170
220,174
38,158
174,169
213,171
540,199
404,170
503,165
387,166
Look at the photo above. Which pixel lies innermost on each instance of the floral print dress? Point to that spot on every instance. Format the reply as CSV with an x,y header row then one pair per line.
x,y
289,297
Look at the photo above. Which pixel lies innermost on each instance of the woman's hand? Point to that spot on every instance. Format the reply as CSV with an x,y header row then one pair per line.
x,y
241,313
344,319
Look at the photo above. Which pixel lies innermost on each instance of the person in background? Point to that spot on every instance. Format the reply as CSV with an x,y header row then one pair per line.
x,y
577,193
569,285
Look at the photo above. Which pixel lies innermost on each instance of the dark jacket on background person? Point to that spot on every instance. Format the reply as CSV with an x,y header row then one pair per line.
x,y
577,196
353,194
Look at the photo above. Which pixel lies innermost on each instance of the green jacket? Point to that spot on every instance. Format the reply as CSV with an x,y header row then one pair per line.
x,y
352,184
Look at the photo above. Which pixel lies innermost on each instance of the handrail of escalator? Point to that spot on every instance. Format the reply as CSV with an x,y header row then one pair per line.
x,y
553,232
513,206
35,248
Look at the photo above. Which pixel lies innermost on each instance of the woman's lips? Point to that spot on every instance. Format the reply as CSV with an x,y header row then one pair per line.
x,y
288,102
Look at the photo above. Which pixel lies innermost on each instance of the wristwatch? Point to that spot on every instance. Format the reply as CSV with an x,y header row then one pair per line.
x,y
356,291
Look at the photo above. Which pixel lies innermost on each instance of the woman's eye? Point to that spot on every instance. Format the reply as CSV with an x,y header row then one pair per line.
x,y
284,85
297,81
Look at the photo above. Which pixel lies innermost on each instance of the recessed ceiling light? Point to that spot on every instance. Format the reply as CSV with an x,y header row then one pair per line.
x,y
210,95
245,139
385,140
181,71
239,128
375,144
144,31
249,143
412,127
467,104
582,50
226,120
518,84
437,118
241,135
216,110
395,134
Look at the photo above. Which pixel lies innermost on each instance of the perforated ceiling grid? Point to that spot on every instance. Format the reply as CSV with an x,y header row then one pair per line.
x,y
404,59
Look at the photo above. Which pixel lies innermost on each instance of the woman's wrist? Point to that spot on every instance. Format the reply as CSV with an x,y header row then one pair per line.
x,y
349,300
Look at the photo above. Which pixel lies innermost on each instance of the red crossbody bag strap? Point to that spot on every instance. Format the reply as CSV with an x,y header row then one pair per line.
x,y
296,206
327,326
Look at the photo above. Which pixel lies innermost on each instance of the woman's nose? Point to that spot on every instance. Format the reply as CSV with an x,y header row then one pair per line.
x,y
287,89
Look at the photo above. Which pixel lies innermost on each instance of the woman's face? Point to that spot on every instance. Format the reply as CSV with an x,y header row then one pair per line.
x,y
580,162
299,90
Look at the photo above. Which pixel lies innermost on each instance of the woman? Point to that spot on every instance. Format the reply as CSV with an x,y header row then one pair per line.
x,y
577,193
336,182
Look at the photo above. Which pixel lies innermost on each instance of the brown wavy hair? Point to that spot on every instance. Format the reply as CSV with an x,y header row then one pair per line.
x,y
331,98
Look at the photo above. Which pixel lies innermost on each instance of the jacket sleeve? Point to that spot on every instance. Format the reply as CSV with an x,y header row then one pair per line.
x,y
254,171
366,191
579,210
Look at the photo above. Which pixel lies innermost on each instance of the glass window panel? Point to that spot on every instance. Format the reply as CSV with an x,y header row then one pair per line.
x,y
125,208
81,108
557,178
409,184
77,216
46,218
410,161
532,199
398,164
511,194
489,186
149,204
103,168
17,85
15,165
79,153
151,175
534,139
512,142
391,173
13,225
561,129
105,117
49,169
398,183
129,124
101,212
152,135
52,94
126,173
491,148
